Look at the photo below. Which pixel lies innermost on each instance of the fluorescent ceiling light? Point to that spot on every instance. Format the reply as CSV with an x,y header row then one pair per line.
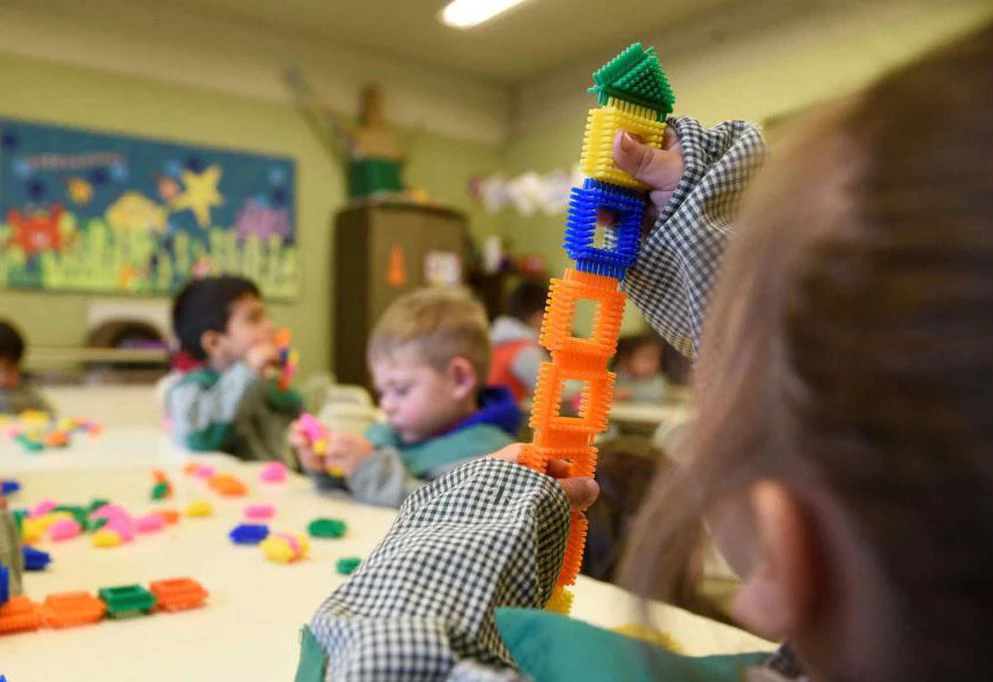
x,y
467,13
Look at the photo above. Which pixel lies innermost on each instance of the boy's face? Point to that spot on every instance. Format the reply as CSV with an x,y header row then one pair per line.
x,y
248,326
10,374
420,401
644,362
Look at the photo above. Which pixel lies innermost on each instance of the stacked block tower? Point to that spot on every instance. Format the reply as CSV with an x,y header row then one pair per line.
x,y
634,96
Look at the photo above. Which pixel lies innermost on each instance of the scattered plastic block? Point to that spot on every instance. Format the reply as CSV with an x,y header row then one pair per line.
x,y
110,511
273,472
43,508
64,529
327,528
260,511
285,548
191,468
80,514
72,609
347,565
248,533
200,509
150,523
4,584
178,594
205,471
20,614
228,485
32,530
97,524
105,538
161,491
97,503
170,516
127,601
125,528
9,487
35,559
57,439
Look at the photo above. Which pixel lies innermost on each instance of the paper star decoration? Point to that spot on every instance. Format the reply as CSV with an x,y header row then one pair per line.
x,y
200,194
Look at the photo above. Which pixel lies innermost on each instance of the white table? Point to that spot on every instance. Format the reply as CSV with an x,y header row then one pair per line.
x,y
249,628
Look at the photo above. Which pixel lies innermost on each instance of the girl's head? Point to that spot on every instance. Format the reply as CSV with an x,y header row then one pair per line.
x,y
639,355
844,448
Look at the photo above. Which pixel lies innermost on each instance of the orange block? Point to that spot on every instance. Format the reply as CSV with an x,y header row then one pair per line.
x,y
20,614
594,408
70,609
170,516
160,476
178,594
558,327
228,485
573,559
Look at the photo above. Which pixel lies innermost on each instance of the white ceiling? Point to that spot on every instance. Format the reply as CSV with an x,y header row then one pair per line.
x,y
529,39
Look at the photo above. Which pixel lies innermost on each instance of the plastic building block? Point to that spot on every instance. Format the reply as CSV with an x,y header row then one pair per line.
x,y
249,533
636,76
228,485
651,635
97,524
35,559
127,600
200,509
97,503
260,511
273,472
327,528
71,609
594,405
558,331
178,594
206,472
32,530
44,507
285,548
9,487
57,439
110,511
4,584
347,565
105,538
125,528
170,516
602,125
150,523
316,433
191,468
80,514
587,206
161,491
560,601
573,559
288,359
64,529
19,614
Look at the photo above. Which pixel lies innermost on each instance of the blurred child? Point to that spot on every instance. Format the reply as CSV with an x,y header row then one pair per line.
x,y
638,365
224,395
428,355
16,392
516,353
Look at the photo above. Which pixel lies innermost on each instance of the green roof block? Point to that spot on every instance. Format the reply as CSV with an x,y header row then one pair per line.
x,y
636,76
127,600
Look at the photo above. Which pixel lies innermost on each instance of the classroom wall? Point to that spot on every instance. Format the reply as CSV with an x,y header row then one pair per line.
x,y
767,59
53,92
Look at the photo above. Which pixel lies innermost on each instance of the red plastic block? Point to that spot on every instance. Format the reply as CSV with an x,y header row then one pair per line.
x,y
178,594
71,609
20,614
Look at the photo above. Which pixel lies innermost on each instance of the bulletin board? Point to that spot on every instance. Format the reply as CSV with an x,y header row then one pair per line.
x,y
94,212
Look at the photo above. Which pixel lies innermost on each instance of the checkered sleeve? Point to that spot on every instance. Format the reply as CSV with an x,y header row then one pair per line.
x,y
488,534
680,258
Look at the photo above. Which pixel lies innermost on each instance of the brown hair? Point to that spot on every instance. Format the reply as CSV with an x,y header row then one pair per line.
x,y
849,356
442,323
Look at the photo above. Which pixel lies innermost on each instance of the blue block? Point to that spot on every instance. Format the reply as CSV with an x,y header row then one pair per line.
x,y
9,487
35,559
249,534
4,584
623,239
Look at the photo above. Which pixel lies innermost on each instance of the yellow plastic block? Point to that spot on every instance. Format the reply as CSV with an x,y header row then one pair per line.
x,y
651,635
601,127
32,530
560,601
200,509
106,538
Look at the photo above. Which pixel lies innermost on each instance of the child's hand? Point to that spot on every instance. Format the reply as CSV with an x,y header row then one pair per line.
x,y
298,440
582,492
660,169
263,358
345,452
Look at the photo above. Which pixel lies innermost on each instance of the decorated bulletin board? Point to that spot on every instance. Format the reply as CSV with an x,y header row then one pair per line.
x,y
92,212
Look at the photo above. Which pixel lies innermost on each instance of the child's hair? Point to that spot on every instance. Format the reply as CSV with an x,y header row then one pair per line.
x,y
441,322
629,343
527,299
205,305
11,343
848,355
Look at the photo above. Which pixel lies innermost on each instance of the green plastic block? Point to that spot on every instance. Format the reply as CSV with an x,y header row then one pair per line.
x,y
80,514
127,600
367,177
636,76
347,565
160,491
19,516
96,504
327,528
97,524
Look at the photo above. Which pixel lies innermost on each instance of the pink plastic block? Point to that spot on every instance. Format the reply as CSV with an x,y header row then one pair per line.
x,y
111,512
290,540
43,508
205,471
123,527
260,511
150,523
64,529
273,472
313,429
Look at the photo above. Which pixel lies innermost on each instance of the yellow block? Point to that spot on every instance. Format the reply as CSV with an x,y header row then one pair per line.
x,y
106,538
560,601
602,126
199,509
652,636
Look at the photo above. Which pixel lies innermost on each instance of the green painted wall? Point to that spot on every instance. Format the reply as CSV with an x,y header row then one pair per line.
x,y
56,93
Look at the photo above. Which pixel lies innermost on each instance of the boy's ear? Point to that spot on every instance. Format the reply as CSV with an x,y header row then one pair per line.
x,y
777,597
211,342
465,381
